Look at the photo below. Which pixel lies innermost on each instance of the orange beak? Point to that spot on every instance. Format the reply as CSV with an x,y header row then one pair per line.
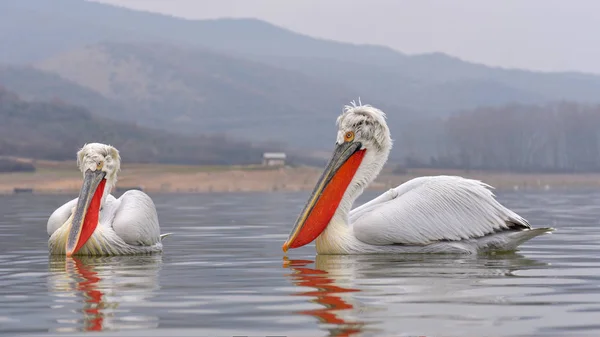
x,y
87,211
327,195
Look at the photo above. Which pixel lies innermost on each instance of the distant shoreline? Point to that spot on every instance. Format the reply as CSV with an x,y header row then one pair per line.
x,y
64,178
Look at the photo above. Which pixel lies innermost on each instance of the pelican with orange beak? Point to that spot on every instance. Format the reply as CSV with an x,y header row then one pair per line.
x,y
437,214
96,223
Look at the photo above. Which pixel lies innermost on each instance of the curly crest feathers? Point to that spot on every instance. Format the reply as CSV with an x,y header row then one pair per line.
x,y
367,121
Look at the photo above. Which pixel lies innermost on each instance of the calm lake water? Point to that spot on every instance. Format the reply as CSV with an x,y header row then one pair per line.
x,y
223,273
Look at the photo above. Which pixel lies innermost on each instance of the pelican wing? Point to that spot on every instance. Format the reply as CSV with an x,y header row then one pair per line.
x,y
136,221
60,216
429,209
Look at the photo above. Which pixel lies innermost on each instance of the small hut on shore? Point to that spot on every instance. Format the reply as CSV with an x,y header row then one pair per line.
x,y
274,159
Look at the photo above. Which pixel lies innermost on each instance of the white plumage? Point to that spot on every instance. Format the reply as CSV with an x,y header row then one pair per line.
x,y
439,214
127,225
430,209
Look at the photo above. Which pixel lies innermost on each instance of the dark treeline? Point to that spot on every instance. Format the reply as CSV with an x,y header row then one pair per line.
x,y
560,137
13,165
55,130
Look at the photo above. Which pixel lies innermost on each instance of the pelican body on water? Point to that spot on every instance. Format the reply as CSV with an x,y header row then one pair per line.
x,y
437,214
97,223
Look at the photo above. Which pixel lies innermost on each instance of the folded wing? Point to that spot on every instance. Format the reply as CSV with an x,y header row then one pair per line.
x,y
60,216
432,209
136,221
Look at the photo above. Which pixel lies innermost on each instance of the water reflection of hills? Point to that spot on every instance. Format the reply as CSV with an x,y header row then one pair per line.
x,y
355,292
103,293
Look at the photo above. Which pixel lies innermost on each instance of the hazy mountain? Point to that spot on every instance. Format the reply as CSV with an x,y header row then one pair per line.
x,y
199,91
54,130
420,81
191,91
247,78
98,22
424,94
34,84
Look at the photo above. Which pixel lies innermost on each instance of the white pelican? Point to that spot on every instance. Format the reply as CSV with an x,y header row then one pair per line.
x,y
439,214
96,223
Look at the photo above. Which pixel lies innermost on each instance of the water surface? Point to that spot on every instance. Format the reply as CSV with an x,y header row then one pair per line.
x,y
223,273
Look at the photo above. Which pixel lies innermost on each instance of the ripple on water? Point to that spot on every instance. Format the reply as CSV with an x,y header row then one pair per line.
x,y
222,273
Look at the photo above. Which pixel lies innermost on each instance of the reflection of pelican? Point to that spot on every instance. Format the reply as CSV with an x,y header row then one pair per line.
x,y
100,285
439,214
97,223
327,294
379,293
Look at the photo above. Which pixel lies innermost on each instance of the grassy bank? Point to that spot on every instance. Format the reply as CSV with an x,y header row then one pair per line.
x,y
63,177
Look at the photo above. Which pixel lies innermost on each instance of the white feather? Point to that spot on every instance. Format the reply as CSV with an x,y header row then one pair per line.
x,y
60,216
127,225
136,221
431,209
441,214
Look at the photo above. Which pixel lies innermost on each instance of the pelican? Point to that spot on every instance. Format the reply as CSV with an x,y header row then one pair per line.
x,y
436,214
96,223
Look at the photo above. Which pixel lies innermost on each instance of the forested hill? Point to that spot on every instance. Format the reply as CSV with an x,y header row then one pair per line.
x,y
249,79
56,130
271,72
559,137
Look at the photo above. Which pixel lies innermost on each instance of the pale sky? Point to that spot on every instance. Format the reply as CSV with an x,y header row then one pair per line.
x,y
550,35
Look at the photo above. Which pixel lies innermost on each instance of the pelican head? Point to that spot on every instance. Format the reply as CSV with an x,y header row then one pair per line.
x,y
99,164
97,156
362,147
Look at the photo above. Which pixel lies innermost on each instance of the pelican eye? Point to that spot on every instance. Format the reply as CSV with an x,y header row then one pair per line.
x,y
100,165
349,136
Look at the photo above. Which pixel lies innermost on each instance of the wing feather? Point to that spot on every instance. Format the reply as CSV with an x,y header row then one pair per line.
x,y
60,216
429,209
136,221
